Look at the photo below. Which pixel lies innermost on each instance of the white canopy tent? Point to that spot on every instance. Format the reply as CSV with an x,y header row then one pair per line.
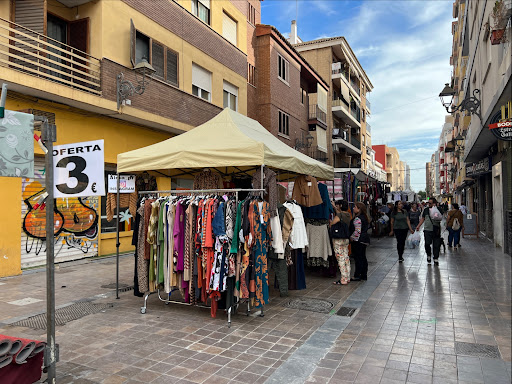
x,y
229,140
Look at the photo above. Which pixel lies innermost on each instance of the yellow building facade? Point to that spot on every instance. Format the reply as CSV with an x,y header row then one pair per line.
x,y
76,89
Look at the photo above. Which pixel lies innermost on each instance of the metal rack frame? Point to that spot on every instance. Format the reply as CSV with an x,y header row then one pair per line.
x,y
167,301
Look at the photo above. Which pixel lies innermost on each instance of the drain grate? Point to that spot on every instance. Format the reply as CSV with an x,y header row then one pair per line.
x,y
478,350
309,304
346,311
64,315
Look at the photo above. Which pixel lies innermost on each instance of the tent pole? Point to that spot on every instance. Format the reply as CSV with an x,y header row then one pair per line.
x,y
261,185
117,235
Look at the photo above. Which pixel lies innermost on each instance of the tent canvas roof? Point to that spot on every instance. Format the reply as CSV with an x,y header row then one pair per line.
x,y
229,140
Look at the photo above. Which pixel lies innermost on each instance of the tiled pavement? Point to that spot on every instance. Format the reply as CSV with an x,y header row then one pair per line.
x,y
409,318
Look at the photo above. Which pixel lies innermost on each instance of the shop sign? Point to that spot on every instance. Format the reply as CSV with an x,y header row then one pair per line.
x,y
502,130
79,169
126,183
479,168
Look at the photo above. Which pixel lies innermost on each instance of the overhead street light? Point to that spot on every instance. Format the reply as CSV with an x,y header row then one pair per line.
x,y
125,88
470,104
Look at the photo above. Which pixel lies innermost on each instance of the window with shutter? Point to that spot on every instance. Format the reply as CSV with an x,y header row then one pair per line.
x,y
157,59
201,82
172,67
229,28
230,96
201,8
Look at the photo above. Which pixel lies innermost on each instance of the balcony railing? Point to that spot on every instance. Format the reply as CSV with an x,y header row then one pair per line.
x,y
317,154
38,55
368,128
340,103
356,143
356,114
338,68
316,113
368,105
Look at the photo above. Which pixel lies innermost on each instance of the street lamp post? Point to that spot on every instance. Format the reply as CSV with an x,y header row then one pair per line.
x,y
470,104
125,88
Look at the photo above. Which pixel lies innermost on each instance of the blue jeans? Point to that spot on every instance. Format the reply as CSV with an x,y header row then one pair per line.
x,y
453,236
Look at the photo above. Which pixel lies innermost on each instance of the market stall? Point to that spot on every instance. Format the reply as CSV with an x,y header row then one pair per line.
x,y
230,144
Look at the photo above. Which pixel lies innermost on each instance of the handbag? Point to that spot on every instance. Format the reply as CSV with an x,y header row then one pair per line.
x,y
455,224
340,230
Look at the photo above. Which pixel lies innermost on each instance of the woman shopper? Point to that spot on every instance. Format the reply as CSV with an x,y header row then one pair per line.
x,y
400,224
454,224
341,245
360,239
414,215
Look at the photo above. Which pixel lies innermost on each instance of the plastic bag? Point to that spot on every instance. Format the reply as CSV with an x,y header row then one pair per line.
x,y
415,239
409,243
435,214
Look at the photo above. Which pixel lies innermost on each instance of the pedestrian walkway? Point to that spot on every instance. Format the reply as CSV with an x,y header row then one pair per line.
x,y
414,323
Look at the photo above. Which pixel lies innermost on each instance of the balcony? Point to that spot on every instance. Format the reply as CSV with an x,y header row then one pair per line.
x,y
355,86
356,143
337,68
315,113
368,105
27,51
318,154
368,128
340,108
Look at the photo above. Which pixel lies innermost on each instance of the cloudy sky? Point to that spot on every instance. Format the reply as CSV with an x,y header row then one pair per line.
x,y
404,47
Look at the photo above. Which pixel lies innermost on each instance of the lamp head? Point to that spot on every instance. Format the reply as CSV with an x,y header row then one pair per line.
x,y
309,139
446,95
143,68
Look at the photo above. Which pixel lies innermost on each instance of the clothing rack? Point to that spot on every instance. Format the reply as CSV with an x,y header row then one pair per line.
x,y
167,301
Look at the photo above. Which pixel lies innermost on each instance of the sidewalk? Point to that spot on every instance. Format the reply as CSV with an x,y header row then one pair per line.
x,y
409,321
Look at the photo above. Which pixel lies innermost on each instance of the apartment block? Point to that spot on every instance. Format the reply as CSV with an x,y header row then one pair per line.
x,y
62,59
348,133
291,97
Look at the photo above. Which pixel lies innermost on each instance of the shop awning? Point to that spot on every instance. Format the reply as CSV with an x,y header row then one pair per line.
x,y
230,142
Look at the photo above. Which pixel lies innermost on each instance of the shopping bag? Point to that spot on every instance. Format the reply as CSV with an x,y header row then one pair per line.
x,y
415,239
435,214
408,243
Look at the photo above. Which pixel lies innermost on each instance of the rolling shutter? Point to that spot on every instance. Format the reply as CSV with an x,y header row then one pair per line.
x,y
31,15
321,138
201,78
78,232
172,67
322,98
229,28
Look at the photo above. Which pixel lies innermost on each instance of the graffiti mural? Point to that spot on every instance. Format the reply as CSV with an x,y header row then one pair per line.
x,y
75,223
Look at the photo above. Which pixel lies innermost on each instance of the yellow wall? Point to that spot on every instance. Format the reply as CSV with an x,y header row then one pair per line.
x,y
10,234
71,128
116,46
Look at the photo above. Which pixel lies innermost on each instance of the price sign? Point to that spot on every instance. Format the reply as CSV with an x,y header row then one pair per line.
x,y
79,169
126,183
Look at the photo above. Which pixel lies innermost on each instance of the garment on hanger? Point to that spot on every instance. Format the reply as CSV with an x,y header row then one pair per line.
x,y
207,179
270,185
125,200
319,247
321,211
298,237
305,191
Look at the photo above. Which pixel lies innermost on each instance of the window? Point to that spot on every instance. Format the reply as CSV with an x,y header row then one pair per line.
x,y
163,59
230,96
251,74
284,123
201,8
141,47
303,96
252,15
201,82
229,28
283,68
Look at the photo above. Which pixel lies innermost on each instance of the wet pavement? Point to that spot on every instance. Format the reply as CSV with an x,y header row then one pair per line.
x,y
413,323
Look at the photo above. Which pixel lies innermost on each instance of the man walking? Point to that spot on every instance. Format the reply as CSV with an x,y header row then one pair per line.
x,y
432,216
